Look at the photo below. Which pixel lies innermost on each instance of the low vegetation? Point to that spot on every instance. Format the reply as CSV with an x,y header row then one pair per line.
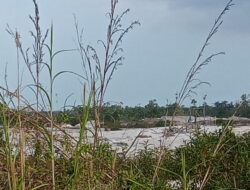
x,y
105,169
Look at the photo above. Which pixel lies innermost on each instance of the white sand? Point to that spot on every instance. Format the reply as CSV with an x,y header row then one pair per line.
x,y
138,138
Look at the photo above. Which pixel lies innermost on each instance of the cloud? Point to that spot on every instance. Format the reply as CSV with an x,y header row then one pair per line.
x,y
197,4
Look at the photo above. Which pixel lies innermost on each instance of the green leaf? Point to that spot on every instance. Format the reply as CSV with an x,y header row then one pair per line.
x,y
137,183
61,51
45,92
38,187
48,67
58,74
170,172
71,72
49,49
51,36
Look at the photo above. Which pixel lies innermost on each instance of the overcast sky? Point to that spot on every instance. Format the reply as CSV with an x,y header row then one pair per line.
x,y
157,54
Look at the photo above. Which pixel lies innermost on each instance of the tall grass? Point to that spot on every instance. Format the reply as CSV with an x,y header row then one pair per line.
x,y
79,146
192,82
16,38
97,71
7,145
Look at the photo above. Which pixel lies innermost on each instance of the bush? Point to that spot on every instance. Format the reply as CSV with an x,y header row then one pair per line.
x,y
223,122
231,166
162,123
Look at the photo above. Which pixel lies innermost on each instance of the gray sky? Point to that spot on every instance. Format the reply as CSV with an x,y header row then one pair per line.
x,y
157,54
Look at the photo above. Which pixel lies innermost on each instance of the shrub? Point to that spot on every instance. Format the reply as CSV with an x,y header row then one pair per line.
x,y
162,123
223,122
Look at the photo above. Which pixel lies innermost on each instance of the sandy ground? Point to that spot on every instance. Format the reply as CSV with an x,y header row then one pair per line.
x,y
133,140
139,138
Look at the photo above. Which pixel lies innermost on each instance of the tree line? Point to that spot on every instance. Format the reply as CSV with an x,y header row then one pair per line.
x,y
119,112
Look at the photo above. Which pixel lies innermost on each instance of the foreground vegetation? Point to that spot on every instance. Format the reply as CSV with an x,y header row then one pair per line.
x,y
103,168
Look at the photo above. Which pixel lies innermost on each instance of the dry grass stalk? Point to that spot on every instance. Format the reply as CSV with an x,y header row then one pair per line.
x,y
191,82
218,147
98,73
